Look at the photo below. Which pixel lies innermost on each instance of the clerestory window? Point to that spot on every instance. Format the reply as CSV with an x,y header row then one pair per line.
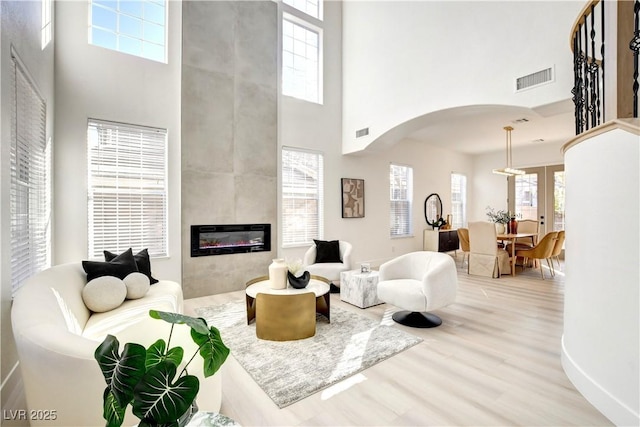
x,y
134,27
302,30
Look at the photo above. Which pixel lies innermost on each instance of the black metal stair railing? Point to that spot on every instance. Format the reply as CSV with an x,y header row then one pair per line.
x,y
634,45
589,68
589,65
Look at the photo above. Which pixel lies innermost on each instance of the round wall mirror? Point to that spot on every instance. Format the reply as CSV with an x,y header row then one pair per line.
x,y
432,208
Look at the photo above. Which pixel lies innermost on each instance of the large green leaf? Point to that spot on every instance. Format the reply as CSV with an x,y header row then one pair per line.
x,y
212,349
157,400
157,352
122,372
198,324
112,412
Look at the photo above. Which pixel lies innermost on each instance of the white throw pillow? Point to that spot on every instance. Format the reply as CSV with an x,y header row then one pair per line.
x,y
104,293
137,285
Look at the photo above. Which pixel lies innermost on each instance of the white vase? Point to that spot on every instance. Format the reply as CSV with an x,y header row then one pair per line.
x,y
278,274
500,228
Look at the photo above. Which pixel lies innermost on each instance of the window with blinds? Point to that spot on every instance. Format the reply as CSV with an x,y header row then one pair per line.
x,y
30,171
127,188
401,196
302,197
458,200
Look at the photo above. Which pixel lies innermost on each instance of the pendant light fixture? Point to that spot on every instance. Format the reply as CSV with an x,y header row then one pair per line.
x,y
509,171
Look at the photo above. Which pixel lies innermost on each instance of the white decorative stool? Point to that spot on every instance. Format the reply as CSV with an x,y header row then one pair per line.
x,y
359,289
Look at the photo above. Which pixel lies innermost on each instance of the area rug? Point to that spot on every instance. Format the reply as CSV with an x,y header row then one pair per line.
x,y
289,371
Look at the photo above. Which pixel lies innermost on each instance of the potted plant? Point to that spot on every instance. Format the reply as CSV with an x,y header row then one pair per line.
x,y
500,217
146,378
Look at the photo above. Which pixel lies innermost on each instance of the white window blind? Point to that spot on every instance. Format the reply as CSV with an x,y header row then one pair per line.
x,y
401,195
30,164
458,200
302,197
127,188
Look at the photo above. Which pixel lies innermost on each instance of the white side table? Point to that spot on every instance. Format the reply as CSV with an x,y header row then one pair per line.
x,y
359,289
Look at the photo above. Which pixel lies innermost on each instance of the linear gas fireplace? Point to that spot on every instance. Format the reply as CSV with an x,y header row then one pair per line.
x,y
230,239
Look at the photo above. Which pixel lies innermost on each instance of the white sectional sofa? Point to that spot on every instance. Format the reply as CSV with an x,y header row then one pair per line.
x,y
56,337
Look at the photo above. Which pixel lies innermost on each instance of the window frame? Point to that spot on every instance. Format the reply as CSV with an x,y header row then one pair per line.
x,y
121,35
309,23
459,222
407,225
109,174
304,238
30,173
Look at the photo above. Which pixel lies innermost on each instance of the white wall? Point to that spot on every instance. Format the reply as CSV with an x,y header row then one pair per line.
x,y
93,82
404,59
318,127
601,339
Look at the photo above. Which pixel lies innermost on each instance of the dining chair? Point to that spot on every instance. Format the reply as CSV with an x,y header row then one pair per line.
x,y
540,251
526,226
485,258
463,237
557,249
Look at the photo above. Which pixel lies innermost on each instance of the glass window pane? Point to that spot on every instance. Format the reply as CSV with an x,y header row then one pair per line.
x,y
129,45
154,33
527,196
103,38
133,8
111,4
131,26
153,51
558,200
303,81
154,13
105,18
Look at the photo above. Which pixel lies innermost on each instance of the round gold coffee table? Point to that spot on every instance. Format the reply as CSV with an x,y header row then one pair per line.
x,y
287,314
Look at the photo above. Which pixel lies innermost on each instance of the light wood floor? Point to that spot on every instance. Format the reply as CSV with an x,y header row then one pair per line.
x,y
495,361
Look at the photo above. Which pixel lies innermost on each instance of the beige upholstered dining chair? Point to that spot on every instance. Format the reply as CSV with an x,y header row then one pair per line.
x,y
541,251
485,258
463,237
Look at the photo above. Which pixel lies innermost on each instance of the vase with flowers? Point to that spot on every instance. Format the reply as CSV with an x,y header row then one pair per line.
x,y
500,217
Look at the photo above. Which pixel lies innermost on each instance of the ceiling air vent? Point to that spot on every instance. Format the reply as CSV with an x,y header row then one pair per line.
x,y
362,132
536,79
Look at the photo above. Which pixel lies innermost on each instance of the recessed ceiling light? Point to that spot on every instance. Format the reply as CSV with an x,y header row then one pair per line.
x,y
522,120
538,140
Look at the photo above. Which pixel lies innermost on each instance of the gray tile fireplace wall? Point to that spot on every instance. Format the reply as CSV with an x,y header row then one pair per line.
x,y
229,134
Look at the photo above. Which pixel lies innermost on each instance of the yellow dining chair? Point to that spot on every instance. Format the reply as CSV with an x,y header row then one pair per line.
x,y
463,237
539,252
557,249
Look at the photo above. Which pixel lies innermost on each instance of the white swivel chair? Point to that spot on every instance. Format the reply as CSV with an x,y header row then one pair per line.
x,y
485,258
418,282
329,266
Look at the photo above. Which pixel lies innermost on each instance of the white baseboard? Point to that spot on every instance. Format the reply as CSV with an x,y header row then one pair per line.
x,y
612,408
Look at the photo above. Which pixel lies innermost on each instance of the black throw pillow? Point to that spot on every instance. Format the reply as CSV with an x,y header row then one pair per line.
x,y
327,251
120,267
142,262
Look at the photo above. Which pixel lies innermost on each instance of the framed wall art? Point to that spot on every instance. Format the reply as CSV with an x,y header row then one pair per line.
x,y
352,198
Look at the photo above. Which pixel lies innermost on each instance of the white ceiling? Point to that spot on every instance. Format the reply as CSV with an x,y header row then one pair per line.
x,y
480,129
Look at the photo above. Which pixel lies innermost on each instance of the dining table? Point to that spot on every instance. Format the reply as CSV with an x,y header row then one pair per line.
x,y
511,237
